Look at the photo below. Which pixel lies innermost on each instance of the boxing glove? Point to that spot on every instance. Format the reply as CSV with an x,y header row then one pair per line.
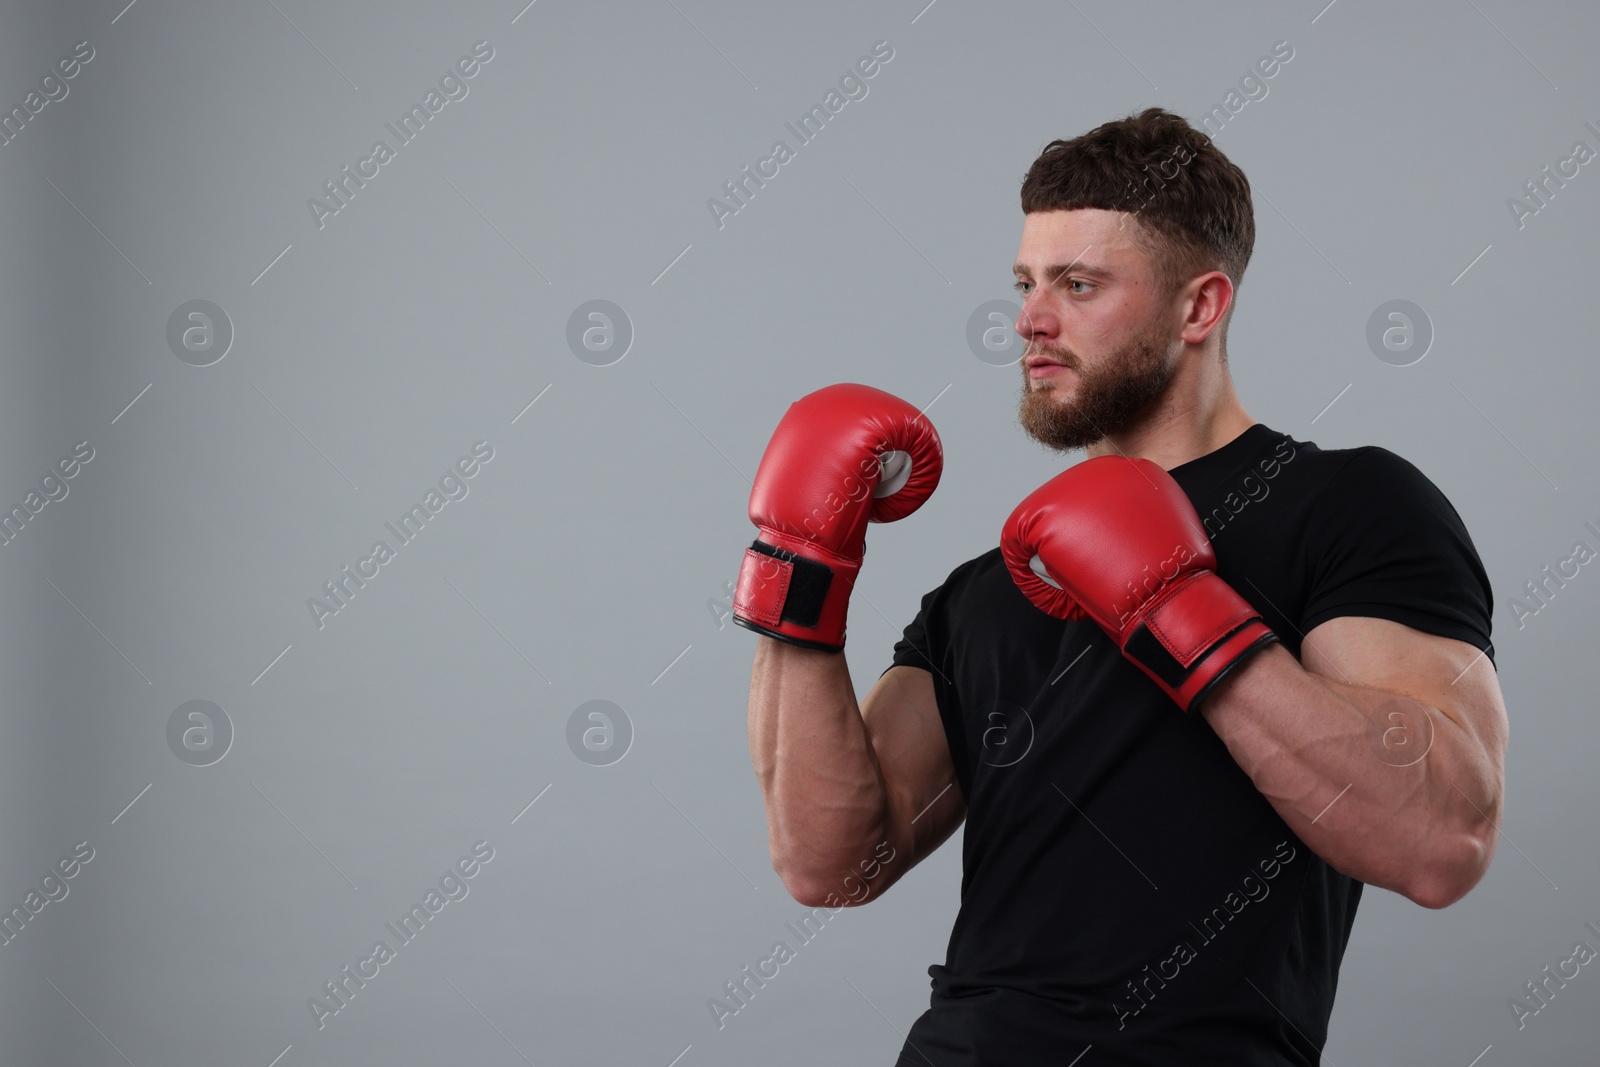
x,y
1117,541
841,457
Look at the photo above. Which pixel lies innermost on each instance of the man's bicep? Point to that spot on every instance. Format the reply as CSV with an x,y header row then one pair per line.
x,y
901,714
1442,672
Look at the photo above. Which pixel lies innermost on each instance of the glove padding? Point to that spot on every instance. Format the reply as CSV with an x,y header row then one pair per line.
x,y
1116,540
841,457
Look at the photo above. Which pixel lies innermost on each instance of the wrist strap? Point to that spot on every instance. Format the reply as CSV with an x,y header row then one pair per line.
x,y
1199,631
778,586
785,592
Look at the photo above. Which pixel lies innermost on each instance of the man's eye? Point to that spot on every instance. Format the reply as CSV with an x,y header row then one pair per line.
x,y
1023,287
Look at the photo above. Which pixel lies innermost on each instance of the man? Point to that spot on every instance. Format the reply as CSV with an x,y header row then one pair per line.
x,y
1177,777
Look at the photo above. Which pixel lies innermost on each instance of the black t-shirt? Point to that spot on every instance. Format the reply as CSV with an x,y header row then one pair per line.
x,y
1124,884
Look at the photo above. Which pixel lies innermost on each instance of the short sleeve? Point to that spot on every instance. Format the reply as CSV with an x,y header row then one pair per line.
x,y
1385,542
913,650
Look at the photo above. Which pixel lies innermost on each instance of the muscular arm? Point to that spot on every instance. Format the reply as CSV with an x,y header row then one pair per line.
x,y
1384,751
855,795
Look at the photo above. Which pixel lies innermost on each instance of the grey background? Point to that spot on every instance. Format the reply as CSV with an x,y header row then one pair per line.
x,y
589,559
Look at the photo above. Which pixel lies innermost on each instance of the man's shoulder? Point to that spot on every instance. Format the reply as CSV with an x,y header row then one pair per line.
x,y
1351,467
971,573
984,563
988,558
1374,474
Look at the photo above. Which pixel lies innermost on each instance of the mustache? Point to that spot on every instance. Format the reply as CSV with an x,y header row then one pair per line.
x,y
1060,355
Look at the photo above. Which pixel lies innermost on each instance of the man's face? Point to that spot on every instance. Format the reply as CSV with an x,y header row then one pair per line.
x,y
1099,352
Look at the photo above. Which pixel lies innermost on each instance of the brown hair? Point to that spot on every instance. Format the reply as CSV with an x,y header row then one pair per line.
x,y
1191,205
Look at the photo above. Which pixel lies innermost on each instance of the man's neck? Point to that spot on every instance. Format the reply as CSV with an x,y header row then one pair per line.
x,y
1198,415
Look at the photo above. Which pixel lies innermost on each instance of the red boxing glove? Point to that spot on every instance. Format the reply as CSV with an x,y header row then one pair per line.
x,y
840,458
1116,540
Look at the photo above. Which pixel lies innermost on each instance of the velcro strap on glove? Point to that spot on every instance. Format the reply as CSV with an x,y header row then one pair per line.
x,y
1195,633
778,586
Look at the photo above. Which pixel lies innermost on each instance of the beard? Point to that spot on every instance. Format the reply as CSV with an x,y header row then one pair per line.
x,y
1108,398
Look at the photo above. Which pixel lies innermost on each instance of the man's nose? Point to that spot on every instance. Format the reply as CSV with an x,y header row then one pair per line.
x,y
1030,323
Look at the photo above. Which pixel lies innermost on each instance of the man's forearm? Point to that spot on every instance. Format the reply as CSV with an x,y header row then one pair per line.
x,y
1332,761
825,794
